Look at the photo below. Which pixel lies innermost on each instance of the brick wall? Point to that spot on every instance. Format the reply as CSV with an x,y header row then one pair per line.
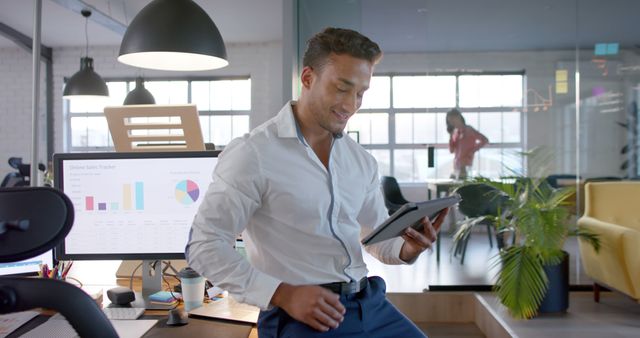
x,y
15,106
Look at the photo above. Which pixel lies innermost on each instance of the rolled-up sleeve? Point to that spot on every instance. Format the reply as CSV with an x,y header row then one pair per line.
x,y
372,214
230,201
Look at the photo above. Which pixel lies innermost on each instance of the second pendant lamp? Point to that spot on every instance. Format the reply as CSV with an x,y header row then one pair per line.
x,y
86,83
173,35
139,95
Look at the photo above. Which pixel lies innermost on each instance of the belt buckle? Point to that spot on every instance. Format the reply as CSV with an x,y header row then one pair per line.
x,y
351,287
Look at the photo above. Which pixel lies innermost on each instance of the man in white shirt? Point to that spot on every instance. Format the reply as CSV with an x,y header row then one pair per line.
x,y
304,196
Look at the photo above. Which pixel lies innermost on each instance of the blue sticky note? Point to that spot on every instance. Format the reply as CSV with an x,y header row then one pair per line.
x,y
612,48
601,49
164,297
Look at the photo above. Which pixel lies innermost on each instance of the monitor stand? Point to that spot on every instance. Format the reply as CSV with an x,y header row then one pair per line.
x,y
129,268
151,283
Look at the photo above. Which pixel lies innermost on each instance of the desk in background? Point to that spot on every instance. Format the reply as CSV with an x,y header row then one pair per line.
x,y
439,188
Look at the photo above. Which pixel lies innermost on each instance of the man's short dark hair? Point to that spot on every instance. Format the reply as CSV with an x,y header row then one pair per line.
x,y
339,41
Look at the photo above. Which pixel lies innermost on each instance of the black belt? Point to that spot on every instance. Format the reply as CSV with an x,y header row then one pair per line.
x,y
345,288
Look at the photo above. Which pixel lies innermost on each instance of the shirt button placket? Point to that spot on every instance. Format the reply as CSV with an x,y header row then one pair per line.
x,y
336,194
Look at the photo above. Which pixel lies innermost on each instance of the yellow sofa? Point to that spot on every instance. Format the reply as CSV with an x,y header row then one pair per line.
x,y
612,210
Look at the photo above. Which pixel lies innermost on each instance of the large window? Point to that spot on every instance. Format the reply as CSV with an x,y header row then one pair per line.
x,y
224,106
403,115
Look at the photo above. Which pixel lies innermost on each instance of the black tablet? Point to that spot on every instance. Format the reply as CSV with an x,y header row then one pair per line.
x,y
409,215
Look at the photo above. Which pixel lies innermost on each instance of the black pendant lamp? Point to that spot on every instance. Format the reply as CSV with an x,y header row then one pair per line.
x,y
86,83
140,95
173,35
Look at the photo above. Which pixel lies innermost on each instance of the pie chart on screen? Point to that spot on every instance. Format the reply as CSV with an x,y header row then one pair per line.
x,y
187,192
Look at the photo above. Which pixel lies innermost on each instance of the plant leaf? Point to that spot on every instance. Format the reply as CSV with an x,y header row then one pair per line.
x,y
521,283
590,237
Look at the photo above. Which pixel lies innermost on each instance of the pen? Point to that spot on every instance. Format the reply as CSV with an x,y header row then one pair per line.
x,y
66,270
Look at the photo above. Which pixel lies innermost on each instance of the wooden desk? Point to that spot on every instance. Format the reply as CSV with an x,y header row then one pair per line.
x,y
197,327
101,275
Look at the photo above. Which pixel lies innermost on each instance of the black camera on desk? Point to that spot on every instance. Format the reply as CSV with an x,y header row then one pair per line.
x,y
121,295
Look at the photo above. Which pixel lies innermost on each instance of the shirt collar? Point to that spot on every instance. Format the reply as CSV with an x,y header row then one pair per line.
x,y
286,122
288,127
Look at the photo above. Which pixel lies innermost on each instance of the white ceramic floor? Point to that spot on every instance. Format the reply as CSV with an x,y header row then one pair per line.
x,y
616,316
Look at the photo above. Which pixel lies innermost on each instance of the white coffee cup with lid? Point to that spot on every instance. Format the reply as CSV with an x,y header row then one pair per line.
x,y
192,288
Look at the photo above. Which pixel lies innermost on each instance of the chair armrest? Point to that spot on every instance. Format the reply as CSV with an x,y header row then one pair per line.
x,y
610,234
619,256
631,247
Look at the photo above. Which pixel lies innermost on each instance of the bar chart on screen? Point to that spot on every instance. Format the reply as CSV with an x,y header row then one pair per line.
x,y
132,199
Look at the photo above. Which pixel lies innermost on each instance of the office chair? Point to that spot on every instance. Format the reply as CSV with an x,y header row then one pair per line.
x,y
603,179
478,200
20,177
33,221
393,198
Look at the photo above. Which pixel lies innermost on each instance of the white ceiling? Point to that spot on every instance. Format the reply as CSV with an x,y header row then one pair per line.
x,y
397,25
238,20
490,25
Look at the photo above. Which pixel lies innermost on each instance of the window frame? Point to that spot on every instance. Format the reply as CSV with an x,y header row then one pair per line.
x,y
392,145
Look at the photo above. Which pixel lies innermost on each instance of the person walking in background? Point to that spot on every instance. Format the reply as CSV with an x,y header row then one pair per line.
x,y
464,141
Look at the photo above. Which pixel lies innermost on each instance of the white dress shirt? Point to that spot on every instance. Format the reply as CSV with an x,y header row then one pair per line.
x,y
302,223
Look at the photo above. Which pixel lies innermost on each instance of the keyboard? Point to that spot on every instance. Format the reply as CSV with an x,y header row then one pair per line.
x,y
120,313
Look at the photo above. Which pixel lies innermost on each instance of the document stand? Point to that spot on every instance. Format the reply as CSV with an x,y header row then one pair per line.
x,y
148,127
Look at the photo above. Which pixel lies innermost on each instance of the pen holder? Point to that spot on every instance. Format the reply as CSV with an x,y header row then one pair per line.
x,y
59,271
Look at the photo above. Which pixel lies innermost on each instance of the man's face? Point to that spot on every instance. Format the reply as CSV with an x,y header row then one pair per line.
x,y
335,91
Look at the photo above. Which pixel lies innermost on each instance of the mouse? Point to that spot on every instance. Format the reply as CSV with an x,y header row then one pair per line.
x,y
177,317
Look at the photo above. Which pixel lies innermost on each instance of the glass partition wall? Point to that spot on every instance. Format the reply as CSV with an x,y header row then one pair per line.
x,y
558,75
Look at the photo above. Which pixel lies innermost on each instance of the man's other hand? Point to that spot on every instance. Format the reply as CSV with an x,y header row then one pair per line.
x,y
313,305
415,242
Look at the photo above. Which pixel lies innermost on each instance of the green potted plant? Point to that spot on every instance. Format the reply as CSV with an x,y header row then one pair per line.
x,y
535,219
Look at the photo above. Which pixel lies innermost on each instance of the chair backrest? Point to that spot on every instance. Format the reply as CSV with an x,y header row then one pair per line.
x,y
32,221
13,180
553,179
603,179
479,199
614,202
393,198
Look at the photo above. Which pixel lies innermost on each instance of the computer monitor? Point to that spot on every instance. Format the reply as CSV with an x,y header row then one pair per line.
x,y
27,267
132,206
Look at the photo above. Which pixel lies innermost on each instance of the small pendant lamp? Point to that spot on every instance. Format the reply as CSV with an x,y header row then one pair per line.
x,y
173,35
86,83
139,95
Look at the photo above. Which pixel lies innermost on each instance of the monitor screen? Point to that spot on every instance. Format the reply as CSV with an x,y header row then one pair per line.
x,y
132,205
29,266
